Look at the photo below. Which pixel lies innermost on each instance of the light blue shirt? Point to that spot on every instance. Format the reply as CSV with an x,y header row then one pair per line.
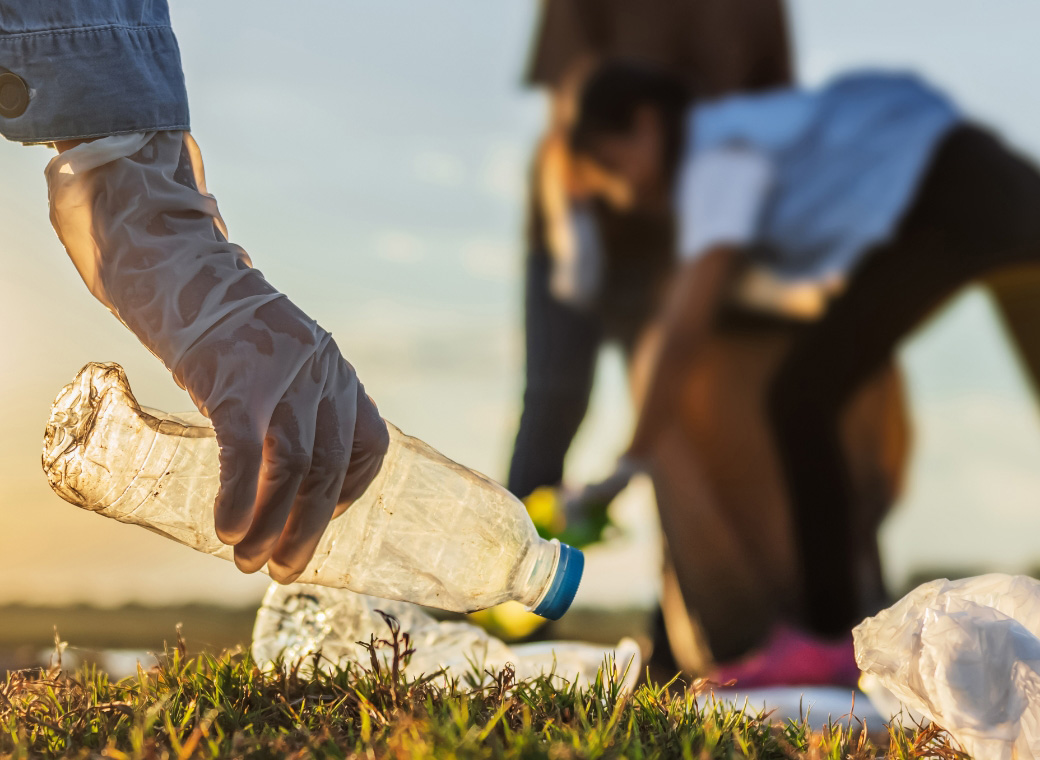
x,y
90,68
844,165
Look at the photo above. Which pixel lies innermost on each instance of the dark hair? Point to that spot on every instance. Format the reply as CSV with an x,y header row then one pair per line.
x,y
614,94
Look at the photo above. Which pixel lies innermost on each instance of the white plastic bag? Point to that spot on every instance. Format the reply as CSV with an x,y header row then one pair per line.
x,y
966,655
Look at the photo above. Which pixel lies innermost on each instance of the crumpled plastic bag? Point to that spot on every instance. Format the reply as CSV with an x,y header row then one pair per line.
x,y
966,655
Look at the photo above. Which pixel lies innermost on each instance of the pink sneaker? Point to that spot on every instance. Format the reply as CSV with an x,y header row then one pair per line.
x,y
791,657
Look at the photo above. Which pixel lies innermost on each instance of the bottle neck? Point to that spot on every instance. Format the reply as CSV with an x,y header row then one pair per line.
x,y
536,572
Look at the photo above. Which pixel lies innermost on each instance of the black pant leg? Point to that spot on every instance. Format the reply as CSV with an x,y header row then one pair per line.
x,y
976,213
562,346
1016,296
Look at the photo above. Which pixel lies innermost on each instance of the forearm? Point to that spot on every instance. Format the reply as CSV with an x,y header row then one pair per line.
x,y
662,396
295,431
686,320
149,242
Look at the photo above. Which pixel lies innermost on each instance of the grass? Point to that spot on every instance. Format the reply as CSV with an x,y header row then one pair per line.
x,y
225,706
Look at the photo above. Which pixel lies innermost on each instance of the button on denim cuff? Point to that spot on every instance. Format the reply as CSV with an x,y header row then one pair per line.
x,y
88,81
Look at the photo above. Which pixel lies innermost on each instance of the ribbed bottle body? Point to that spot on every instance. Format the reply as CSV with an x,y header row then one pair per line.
x,y
427,530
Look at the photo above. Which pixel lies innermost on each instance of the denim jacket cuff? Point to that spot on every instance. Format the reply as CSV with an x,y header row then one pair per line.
x,y
90,82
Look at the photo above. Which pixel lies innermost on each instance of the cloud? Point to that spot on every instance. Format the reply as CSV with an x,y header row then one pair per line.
x,y
439,168
490,259
503,171
399,247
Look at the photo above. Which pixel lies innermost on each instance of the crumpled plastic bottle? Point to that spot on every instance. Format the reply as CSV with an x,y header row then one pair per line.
x,y
426,530
298,621
966,655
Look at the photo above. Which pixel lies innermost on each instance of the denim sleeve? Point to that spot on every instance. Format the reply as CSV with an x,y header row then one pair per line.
x,y
88,68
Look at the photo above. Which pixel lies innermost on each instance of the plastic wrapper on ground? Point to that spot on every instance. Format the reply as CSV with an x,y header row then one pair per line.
x,y
299,621
966,655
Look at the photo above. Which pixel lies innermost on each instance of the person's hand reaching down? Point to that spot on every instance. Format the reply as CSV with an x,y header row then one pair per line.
x,y
600,494
299,439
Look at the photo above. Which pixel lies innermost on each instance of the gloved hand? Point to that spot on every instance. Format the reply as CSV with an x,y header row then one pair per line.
x,y
598,496
298,437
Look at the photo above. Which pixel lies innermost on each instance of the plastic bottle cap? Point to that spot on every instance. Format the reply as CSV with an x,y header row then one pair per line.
x,y
564,586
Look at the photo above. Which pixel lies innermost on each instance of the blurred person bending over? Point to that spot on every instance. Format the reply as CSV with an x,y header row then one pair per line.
x,y
593,272
299,439
873,189
597,272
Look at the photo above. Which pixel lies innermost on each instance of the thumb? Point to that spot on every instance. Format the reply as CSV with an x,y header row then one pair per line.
x,y
241,457
371,441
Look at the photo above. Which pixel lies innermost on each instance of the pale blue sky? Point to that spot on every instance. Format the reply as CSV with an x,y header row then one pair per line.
x,y
371,157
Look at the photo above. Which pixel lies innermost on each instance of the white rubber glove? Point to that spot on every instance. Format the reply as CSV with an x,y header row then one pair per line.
x,y
297,434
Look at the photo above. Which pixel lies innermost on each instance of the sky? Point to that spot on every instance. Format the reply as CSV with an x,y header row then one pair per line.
x,y
371,157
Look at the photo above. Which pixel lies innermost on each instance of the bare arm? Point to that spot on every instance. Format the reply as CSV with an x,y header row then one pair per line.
x,y
686,318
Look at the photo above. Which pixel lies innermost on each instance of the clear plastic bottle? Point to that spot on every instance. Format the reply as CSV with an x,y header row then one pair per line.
x,y
427,530
297,621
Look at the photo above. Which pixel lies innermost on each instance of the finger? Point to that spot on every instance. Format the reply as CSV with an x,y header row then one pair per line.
x,y
240,464
316,500
286,461
334,430
371,441
307,523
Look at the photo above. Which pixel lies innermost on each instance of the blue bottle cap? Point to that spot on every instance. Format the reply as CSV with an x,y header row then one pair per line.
x,y
564,586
